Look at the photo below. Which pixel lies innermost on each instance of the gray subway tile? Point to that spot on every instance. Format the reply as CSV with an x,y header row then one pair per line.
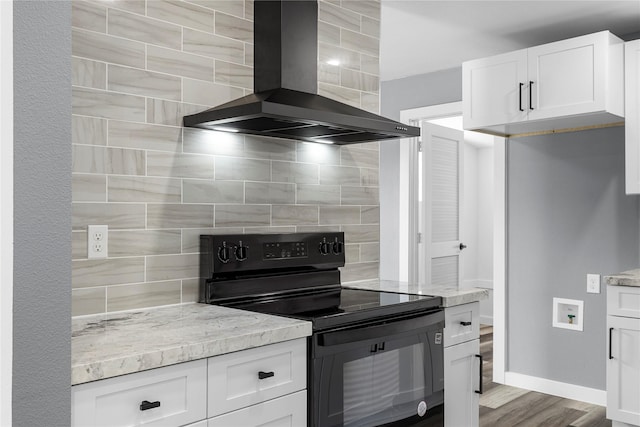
x,y
88,188
88,130
144,189
370,8
88,73
79,245
234,27
107,160
269,148
207,93
145,83
167,267
88,16
234,168
179,63
369,252
201,191
217,47
369,177
359,157
179,216
102,47
143,29
370,64
370,26
88,301
228,73
359,80
361,233
294,215
360,271
340,94
248,54
351,253
248,9
242,215
359,195
347,58
90,273
328,73
89,102
370,102
191,236
318,228
115,215
140,295
179,165
270,230
317,194
339,175
202,141
164,112
190,290
144,136
301,173
338,16
338,215
135,6
360,42
269,193
329,34
181,13
232,7
370,214
144,242
321,154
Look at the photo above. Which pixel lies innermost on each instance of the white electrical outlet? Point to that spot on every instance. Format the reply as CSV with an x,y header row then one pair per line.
x,y
593,283
97,241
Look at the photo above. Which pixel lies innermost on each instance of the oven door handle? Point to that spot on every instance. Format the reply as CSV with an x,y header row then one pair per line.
x,y
387,328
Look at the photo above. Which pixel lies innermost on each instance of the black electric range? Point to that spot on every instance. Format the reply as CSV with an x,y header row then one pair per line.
x,y
356,332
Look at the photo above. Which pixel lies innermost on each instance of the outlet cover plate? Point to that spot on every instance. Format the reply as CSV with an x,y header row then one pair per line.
x,y
97,241
593,283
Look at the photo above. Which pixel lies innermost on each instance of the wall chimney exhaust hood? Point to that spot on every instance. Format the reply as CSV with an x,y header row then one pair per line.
x,y
285,103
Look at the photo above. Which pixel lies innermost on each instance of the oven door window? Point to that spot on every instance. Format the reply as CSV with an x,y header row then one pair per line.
x,y
378,383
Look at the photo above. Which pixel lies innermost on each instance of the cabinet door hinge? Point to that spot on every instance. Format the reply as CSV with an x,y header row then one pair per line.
x,y
419,237
420,146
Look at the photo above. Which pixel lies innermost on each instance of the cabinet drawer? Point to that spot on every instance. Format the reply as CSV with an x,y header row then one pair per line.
x,y
623,301
286,411
238,380
117,401
461,323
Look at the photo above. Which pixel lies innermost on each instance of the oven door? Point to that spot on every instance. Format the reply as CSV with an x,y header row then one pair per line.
x,y
385,373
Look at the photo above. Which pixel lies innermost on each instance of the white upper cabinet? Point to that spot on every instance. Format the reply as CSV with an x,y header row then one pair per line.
x,y
632,119
571,83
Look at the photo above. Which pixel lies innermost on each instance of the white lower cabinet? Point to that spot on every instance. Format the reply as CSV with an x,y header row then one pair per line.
x,y
263,386
623,358
286,411
462,366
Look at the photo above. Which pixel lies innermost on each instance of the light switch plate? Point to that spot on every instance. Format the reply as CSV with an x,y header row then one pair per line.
x,y
593,283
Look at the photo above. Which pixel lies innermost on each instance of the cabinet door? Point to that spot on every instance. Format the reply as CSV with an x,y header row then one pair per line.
x,y
493,91
286,411
632,116
623,370
568,77
462,377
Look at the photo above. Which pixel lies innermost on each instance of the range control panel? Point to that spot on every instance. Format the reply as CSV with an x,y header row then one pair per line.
x,y
244,252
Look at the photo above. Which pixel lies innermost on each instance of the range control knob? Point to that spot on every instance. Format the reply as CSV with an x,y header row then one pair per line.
x,y
337,247
224,254
325,247
241,252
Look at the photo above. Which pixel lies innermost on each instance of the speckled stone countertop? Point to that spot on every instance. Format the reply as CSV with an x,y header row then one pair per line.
x,y
626,278
450,297
108,345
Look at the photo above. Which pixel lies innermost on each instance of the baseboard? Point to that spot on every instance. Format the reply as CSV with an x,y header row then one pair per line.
x,y
486,320
556,388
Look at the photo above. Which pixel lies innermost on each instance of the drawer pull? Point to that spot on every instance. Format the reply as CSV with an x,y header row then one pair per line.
x,y
263,375
149,405
465,323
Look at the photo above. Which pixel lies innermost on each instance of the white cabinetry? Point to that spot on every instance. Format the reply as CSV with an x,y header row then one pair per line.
x,y
632,116
566,84
623,358
249,388
462,365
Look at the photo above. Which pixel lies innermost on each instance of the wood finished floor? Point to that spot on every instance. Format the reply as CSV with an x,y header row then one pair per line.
x,y
504,406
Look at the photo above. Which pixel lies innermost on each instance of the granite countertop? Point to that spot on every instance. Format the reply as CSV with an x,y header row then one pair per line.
x,y
626,278
109,345
450,297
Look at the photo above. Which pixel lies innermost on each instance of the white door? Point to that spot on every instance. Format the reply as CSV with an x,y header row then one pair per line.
x,y
493,90
623,370
632,116
442,154
462,376
567,77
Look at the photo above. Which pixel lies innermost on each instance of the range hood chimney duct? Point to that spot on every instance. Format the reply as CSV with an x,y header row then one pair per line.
x,y
285,103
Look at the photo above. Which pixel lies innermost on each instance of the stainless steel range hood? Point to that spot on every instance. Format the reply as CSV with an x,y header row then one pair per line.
x,y
285,103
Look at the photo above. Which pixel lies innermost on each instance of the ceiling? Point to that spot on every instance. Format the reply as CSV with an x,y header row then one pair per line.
x,y
422,36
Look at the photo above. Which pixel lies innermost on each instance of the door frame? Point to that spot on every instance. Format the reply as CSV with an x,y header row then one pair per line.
x,y
6,209
408,225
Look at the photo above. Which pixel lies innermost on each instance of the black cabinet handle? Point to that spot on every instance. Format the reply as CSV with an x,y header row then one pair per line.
x,y
480,375
462,246
149,405
465,323
263,375
530,95
520,98
610,333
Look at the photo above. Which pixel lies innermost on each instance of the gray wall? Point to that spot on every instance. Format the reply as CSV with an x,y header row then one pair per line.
x,y
42,213
411,92
568,216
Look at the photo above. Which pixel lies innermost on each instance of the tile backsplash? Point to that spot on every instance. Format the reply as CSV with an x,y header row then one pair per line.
x,y
138,68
